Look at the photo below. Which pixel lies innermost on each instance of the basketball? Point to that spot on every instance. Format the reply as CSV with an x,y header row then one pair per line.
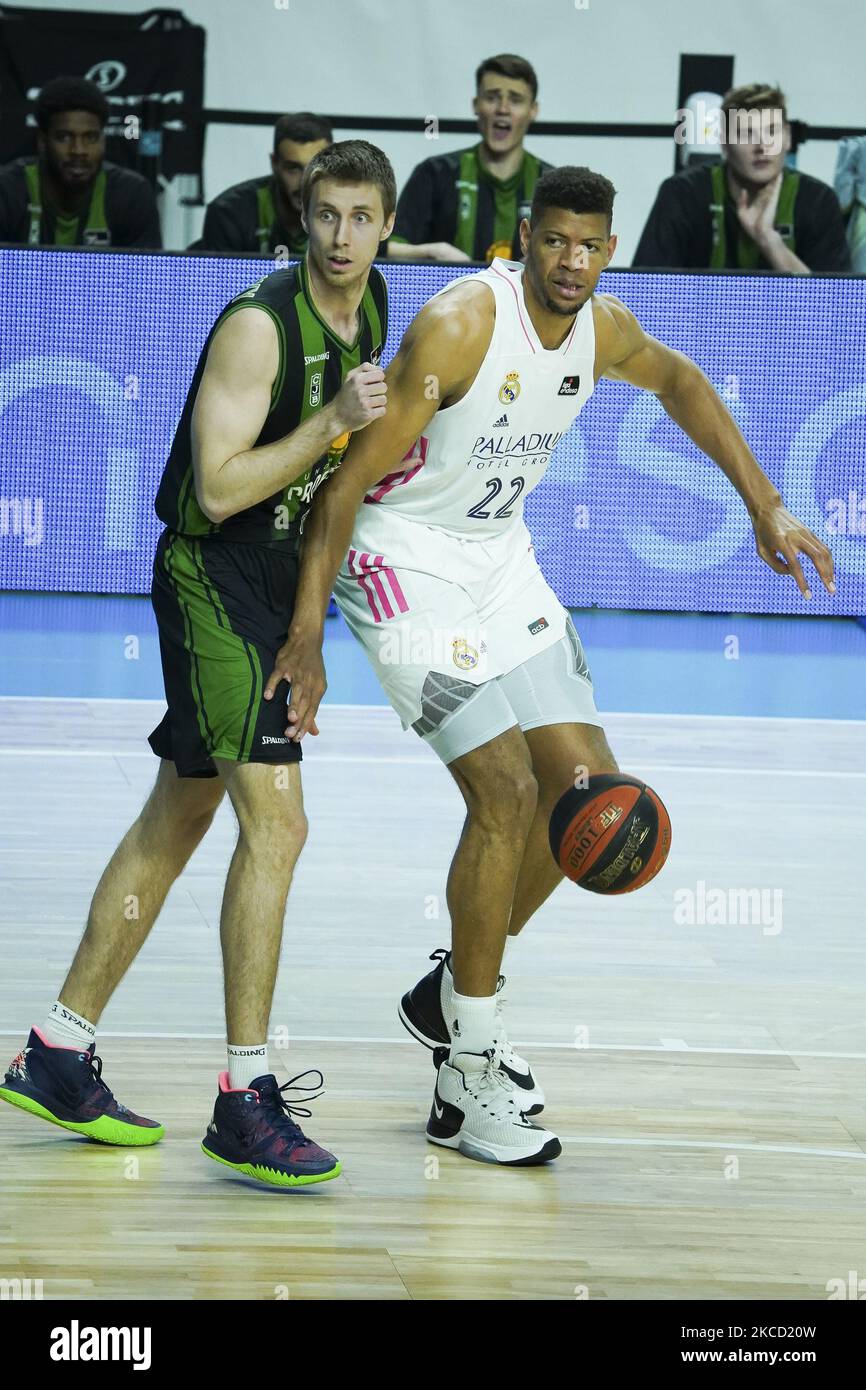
x,y
611,836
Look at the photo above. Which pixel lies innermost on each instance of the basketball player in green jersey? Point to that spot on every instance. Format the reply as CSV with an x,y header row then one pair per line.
x,y
288,371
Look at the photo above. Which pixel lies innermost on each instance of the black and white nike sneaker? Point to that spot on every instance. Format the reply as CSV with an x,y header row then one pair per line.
x,y
475,1111
427,1011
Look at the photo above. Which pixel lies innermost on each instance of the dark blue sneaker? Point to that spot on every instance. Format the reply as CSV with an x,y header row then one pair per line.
x,y
252,1132
64,1085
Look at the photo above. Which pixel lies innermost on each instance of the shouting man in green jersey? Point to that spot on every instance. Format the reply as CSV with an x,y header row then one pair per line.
x,y
289,370
468,205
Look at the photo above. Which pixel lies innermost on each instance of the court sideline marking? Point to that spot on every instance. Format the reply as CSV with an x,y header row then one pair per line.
x,y
558,1046
431,761
607,1141
385,708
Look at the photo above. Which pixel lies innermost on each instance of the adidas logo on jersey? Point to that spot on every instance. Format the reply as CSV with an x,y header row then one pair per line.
x,y
501,423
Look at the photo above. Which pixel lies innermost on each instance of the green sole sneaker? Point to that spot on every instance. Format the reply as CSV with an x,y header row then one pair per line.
x,y
272,1175
64,1086
253,1133
101,1131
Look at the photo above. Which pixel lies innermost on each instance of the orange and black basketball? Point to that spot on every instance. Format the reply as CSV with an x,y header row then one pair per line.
x,y
611,836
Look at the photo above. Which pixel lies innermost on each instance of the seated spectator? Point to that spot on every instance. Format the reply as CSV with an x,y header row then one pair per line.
x,y
467,206
749,212
69,194
850,184
257,216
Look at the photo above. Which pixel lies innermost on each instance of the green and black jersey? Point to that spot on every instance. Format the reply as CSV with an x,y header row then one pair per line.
x,y
452,197
694,224
244,219
118,210
313,363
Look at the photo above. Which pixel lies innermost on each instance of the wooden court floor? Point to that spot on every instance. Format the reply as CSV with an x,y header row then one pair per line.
x,y
707,1077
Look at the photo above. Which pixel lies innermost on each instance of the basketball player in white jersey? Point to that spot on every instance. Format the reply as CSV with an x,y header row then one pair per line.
x,y
438,580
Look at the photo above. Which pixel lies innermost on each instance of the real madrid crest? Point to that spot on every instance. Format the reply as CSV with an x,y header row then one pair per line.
x,y
463,654
510,388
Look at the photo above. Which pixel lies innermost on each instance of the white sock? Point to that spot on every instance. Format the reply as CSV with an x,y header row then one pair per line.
x,y
475,1017
65,1028
246,1064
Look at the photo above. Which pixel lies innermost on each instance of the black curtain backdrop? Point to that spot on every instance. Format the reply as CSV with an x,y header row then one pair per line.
x,y
145,64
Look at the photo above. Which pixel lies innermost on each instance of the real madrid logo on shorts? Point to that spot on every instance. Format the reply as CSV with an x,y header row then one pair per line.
x,y
510,388
464,656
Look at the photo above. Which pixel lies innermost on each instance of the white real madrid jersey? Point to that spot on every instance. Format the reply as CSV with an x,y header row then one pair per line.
x,y
478,460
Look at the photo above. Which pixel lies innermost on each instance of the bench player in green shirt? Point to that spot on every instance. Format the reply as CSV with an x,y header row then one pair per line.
x,y
749,212
69,194
468,205
288,371
257,216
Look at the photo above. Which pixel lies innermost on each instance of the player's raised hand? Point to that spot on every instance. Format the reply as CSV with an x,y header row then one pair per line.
x,y
362,397
299,662
781,538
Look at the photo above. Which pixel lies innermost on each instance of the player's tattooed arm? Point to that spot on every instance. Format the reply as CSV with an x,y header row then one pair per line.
x,y
437,361
231,406
625,352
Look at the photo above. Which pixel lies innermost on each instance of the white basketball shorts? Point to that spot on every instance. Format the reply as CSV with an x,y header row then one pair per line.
x,y
466,636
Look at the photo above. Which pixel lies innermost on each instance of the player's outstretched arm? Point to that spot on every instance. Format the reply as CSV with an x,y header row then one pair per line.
x,y
438,358
625,352
231,407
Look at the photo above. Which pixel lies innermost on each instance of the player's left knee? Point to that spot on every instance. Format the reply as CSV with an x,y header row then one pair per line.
x,y
275,842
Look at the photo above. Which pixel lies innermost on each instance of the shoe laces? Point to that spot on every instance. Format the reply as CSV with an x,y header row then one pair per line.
x,y
96,1070
285,1109
493,1083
